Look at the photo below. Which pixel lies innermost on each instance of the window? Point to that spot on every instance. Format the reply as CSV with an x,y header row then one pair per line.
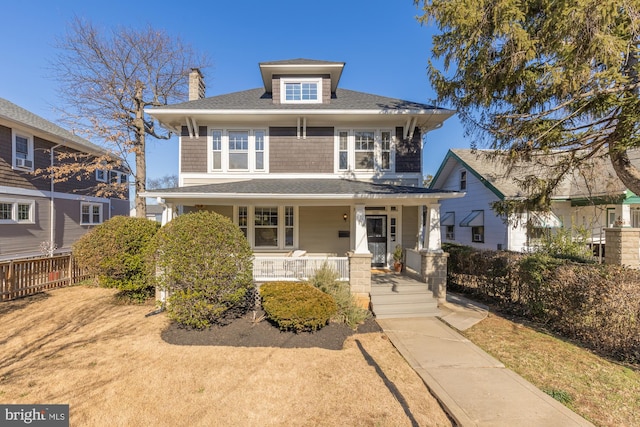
x,y
343,150
364,150
101,175
259,149
217,150
451,234
393,229
266,226
463,180
117,177
243,219
477,234
238,150
22,151
90,213
301,91
385,150
288,225
16,211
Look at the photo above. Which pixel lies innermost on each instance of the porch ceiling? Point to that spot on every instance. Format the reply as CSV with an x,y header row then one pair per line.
x,y
302,192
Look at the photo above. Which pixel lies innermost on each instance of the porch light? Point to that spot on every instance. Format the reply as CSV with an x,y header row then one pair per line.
x,y
345,216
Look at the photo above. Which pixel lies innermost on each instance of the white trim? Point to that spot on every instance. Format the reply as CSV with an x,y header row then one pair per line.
x,y
47,194
262,112
281,227
91,206
293,80
14,210
225,152
104,172
377,170
30,151
217,177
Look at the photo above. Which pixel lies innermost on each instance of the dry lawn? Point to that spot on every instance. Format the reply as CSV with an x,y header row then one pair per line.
x,y
604,392
76,346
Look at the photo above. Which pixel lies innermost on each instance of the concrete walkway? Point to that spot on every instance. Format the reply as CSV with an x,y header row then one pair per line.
x,y
473,387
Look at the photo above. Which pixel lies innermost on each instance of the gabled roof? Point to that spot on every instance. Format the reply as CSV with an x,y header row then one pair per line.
x,y
302,189
301,66
494,173
16,114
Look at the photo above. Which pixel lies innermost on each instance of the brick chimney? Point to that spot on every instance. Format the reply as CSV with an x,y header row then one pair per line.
x,y
196,85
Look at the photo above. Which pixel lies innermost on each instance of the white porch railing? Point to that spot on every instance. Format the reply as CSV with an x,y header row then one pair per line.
x,y
268,269
413,259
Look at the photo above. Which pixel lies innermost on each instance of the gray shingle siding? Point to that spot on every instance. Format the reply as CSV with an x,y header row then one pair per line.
x,y
194,151
288,154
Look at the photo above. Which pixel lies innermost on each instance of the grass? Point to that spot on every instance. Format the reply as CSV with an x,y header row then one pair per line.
x,y
107,361
604,392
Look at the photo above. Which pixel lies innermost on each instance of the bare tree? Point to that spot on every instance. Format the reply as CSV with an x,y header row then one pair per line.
x,y
107,79
167,181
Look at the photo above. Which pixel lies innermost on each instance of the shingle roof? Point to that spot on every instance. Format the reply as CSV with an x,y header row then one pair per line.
x,y
301,187
257,99
600,180
15,113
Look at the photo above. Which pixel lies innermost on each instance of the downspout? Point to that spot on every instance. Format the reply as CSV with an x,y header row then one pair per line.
x,y
52,215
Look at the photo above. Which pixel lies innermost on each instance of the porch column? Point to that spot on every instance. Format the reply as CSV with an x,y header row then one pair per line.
x,y
361,244
360,278
626,215
623,246
432,235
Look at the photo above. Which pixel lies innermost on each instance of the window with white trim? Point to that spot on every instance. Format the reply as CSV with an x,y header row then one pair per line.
x,y
268,227
238,150
117,177
101,175
216,150
22,145
90,213
463,180
365,150
14,211
301,90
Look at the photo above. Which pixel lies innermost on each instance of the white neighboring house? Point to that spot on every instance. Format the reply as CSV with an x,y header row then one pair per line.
x,y
594,200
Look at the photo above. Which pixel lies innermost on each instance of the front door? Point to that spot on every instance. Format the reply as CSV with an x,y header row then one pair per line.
x,y
377,239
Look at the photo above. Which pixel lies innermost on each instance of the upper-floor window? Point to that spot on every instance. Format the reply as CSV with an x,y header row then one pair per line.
x,y
117,177
22,151
16,211
364,150
101,175
237,150
90,213
463,180
301,90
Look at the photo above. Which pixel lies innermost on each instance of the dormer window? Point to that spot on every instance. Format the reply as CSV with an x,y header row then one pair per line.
x,y
301,91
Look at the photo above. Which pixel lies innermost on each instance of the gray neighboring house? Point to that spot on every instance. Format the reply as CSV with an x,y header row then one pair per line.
x,y
304,166
593,198
34,209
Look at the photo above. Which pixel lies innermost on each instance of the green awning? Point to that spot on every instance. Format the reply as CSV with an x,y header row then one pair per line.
x,y
474,219
449,218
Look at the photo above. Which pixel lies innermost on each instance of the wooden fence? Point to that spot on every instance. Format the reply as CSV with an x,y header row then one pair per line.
x,y
20,278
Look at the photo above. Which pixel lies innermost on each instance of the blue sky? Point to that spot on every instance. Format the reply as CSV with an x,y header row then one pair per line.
x,y
384,47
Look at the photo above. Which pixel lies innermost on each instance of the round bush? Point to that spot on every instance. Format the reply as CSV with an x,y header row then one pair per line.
x,y
114,253
297,306
206,264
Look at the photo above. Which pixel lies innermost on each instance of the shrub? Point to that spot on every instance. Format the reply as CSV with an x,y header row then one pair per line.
x,y
326,279
297,306
206,264
114,253
567,243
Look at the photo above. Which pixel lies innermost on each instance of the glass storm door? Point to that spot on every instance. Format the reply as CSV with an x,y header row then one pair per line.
x,y
377,239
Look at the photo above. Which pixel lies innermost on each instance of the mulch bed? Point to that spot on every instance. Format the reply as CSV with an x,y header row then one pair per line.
x,y
245,332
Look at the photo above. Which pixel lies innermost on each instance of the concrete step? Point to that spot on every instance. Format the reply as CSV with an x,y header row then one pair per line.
x,y
418,288
404,305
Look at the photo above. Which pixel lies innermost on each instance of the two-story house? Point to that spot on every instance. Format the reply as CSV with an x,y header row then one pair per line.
x,y
34,209
303,165
592,198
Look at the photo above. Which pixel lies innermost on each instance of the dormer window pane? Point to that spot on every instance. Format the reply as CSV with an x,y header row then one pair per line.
x,y
305,91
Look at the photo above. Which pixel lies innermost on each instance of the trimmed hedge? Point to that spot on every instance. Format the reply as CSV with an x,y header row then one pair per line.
x,y
206,264
598,305
114,253
297,306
